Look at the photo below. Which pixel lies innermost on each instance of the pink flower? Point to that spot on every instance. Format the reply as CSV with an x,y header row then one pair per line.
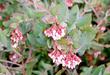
x,y
102,28
16,36
2,7
96,53
69,3
71,60
57,56
55,31
14,57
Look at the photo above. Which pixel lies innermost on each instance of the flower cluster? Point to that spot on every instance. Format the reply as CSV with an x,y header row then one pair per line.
x,y
57,56
55,31
69,3
14,57
71,60
16,36
67,60
96,53
102,28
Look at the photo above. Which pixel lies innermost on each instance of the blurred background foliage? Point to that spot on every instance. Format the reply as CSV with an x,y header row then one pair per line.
x,y
85,19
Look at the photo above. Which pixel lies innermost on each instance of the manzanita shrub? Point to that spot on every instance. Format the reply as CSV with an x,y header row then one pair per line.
x,y
54,37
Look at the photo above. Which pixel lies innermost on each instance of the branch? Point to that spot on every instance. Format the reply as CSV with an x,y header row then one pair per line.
x,y
106,46
1,60
102,45
86,2
40,7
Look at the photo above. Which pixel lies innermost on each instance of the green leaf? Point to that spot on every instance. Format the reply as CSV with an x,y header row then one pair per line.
x,y
1,23
30,12
39,35
36,72
61,11
90,32
41,39
29,67
60,72
87,8
31,39
97,46
78,1
86,39
40,72
83,40
86,71
75,34
107,74
107,71
106,37
49,43
39,28
106,2
25,27
83,48
11,8
84,21
36,37
3,39
2,1
99,70
46,66
73,13
9,22
44,71
4,70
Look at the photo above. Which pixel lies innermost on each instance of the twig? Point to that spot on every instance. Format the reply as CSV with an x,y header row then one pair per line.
x,y
17,53
5,51
101,21
86,2
106,46
36,5
1,60
14,68
23,69
29,56
102,45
